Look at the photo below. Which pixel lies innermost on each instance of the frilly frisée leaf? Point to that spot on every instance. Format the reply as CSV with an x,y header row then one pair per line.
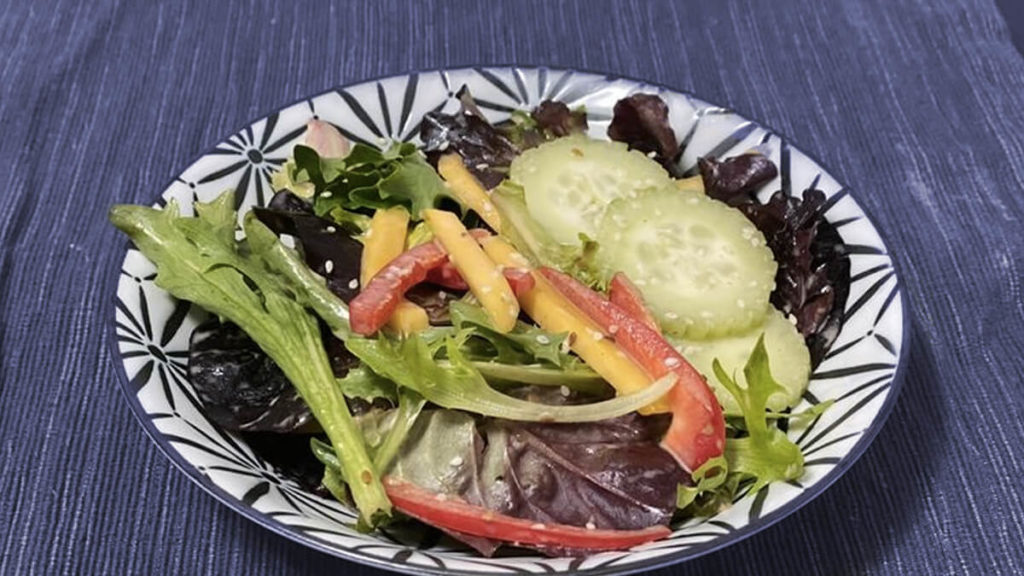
x,y
766,454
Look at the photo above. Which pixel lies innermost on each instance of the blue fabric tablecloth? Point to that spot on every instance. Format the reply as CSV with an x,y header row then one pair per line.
x,y
917,105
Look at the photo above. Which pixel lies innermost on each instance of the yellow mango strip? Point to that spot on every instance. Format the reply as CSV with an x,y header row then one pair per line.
x,y
468,190
504,253
408,318
483,276
383,242
691,184
554,313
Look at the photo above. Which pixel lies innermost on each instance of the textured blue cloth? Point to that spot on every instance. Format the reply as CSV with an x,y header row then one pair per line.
x,y
917,105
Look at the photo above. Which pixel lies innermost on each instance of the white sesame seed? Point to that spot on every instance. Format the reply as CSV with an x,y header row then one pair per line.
x,y
482,166
353,283
652,154
456,462
563,390
327,194
591,526
672,362
331,229
329,266
613,328
443,146
542,339
539,526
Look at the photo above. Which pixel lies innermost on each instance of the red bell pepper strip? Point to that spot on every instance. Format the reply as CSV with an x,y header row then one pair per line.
x,y
520,280
447,276
625,295
697,432
453,513
372,307
370,310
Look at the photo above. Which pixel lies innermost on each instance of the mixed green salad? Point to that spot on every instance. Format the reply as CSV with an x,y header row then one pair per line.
x,y
516,333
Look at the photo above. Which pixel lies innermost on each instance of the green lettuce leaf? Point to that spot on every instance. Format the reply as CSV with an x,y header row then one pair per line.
x,y
286,267
198,259
289,178
410,404
706,479
369,178
765,454
524,344
577,376
457,384
361,382
572,373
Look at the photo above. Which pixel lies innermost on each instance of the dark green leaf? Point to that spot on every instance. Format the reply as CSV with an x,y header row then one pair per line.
x,y
369,178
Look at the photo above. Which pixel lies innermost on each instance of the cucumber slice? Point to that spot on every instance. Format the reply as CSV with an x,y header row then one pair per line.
x,y
703,268
788,358
569,182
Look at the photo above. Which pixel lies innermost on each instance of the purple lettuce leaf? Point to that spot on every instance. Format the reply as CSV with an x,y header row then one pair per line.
x,y
486,152
641,121
240,387
735,180
813,279
610,474
327,248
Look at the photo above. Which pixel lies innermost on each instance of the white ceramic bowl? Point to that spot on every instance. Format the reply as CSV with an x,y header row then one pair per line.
x,y
152,329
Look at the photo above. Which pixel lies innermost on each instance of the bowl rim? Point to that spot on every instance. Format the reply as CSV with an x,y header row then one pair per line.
x,y
690,553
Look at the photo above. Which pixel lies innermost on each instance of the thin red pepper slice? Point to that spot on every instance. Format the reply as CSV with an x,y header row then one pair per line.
x,y
520,280
697,432
453,513
626,295
447,276
372,307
